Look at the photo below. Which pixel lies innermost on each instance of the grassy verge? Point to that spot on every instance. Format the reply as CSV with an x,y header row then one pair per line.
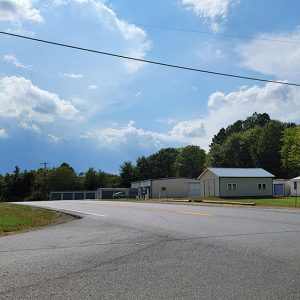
x,y
270,201
14,218
276,202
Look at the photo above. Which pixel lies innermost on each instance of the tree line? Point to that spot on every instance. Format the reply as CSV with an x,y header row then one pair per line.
x,y
256,141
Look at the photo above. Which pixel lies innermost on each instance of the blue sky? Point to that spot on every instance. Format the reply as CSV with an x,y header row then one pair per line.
x,y
89,110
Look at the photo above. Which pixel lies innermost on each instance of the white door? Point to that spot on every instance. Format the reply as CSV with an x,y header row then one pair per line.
x,y
194,189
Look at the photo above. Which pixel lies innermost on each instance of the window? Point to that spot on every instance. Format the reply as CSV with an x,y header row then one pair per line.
x,y
261,186
163,188
231,186
295,185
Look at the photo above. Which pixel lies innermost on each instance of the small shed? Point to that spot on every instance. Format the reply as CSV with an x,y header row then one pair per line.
x,y
281,187
295,186
236,182
174,187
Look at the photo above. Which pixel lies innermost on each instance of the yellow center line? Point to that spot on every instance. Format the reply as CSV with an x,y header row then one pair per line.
x,y
156,209
193,213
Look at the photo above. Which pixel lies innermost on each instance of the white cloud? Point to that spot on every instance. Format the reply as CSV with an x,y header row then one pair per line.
x,y
17,10
213,11
12,59
53,138
3,133
32,127
281,59
169,121
133,39
281,102
93,87
22,100
71,75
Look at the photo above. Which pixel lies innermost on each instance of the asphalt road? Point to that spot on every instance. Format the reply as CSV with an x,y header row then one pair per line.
x,y
155,251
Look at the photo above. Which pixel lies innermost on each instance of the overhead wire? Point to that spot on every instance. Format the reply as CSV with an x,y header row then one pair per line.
x,y
216,34
148,61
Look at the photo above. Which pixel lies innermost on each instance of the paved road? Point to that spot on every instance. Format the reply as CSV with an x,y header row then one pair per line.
x,y
155,251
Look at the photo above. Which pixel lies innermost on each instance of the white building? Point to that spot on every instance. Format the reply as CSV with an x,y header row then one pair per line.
x,y
168,187
295,186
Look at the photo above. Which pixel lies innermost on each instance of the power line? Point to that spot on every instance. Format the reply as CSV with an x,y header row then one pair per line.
x,y
214,34
148,61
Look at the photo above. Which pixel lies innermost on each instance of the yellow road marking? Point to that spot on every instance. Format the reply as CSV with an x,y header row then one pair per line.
x,y
193,213
157,209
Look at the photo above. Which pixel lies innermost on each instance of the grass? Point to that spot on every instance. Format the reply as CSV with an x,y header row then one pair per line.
x,y
14,218
270,201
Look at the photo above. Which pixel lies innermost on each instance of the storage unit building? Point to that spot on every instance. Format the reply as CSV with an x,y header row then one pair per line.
x,y
281,187
295,186
167,187
72,195
236,182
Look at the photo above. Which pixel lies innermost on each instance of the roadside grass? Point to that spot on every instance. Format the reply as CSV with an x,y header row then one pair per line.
x,y
14,218
270,201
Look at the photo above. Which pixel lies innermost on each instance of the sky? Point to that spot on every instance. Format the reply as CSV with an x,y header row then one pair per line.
x,y
89,110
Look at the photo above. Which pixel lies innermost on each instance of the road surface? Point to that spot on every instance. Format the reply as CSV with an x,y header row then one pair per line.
x,y
131,250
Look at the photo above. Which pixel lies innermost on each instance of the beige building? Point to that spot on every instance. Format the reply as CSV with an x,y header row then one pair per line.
x,y
167,187
236,182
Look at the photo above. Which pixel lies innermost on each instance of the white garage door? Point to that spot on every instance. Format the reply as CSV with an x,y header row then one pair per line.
x,y
194,189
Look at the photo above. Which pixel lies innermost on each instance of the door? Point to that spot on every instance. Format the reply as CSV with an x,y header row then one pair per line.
x,y
194,189
209,187
278,189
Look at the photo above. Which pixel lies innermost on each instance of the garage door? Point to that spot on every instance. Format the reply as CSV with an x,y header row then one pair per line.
x,y
278,189
107,194
194,190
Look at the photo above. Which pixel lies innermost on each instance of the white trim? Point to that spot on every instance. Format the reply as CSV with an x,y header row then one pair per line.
x,y
262,186
232,186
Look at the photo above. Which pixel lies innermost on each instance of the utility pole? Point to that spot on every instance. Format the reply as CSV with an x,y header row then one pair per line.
x,y
44,193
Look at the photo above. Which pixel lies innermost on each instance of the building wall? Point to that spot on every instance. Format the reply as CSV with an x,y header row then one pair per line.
x,y
209,184
246,187
293,191
171,188
107,193
286,183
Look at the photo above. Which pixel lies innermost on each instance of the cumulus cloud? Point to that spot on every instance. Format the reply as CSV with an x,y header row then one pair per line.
x,y
12,59
281,102
21,99
134,39
17,10
213,11
281,59
2,133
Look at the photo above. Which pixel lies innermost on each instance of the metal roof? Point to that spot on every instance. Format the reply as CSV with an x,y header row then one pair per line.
x,y
165,178
240,172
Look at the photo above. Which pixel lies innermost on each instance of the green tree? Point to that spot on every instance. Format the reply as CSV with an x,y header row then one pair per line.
x,y
63,178
92,180
127,174
290,151
190,161
143,168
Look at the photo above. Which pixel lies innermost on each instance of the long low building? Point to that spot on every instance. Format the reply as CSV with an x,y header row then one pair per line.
x,y
167,187
72,195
